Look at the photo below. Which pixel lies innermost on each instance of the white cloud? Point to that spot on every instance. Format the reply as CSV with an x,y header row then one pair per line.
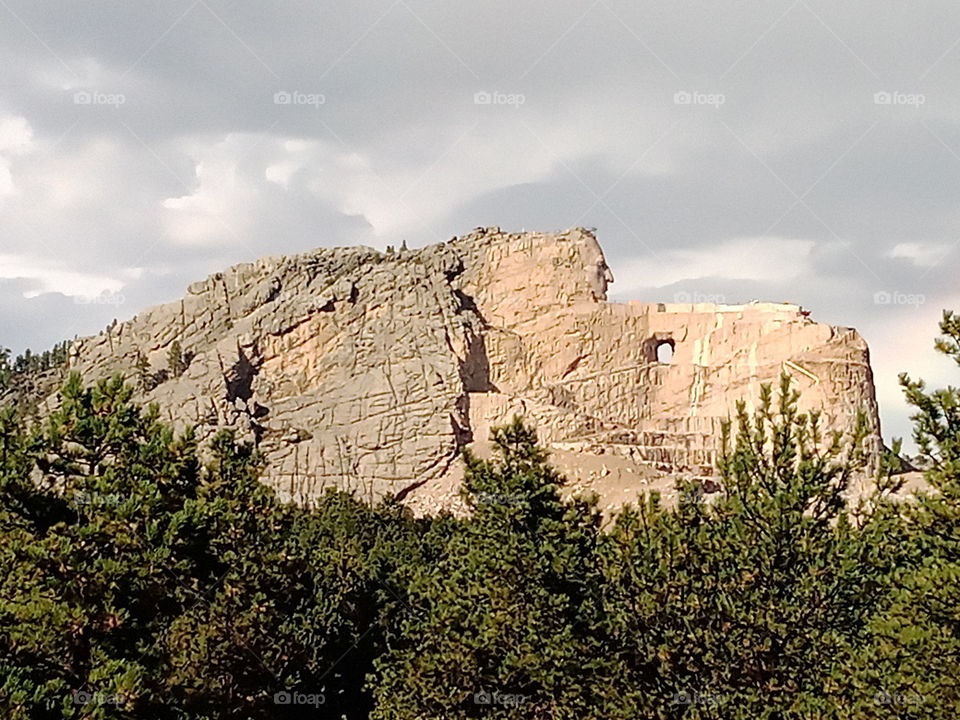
x,y
16,138
16,135
217,210
765,259
281,172
49,278
901,340
922,254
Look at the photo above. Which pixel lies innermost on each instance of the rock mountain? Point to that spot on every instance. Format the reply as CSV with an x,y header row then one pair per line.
x,y
370,371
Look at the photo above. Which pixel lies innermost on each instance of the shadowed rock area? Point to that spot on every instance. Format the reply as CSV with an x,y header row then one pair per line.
x,y
370,371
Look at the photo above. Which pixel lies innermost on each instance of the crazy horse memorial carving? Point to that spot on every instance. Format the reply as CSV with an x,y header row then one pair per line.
x,y
370,371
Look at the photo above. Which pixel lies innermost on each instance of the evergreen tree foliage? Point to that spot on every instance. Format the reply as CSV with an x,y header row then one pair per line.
x,y
139,582
12,371
178,360
913,665
503,623
740,608
145,572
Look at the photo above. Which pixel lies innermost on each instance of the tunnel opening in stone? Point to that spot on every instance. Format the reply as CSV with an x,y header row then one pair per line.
x,y
665,352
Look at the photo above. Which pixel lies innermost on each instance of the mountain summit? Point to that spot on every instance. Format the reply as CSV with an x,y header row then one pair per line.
x,y
370,371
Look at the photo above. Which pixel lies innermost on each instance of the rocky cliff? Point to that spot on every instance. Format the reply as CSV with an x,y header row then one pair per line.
x,y
370,371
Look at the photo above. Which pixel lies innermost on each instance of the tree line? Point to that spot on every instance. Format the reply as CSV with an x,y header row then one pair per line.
x,y
13,372
29,362
144,576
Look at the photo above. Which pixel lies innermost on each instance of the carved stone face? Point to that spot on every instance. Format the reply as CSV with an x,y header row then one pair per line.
x,y
595,264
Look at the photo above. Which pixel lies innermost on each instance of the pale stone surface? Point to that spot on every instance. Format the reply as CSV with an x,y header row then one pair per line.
x,y
370,371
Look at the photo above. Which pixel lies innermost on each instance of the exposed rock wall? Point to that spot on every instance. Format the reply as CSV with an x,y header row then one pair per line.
x,y
370,371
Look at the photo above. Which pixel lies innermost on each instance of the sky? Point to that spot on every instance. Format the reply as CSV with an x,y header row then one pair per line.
x,y
804,151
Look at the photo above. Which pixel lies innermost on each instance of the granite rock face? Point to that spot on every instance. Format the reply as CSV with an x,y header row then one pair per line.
x,y
370,371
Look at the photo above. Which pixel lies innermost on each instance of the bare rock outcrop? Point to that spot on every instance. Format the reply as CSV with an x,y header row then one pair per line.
x,y
370,371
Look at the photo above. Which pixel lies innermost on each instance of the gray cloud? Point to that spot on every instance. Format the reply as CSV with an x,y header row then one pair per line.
x,y
683,132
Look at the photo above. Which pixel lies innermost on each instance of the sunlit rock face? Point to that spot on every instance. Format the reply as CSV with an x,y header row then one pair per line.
x,y
371,371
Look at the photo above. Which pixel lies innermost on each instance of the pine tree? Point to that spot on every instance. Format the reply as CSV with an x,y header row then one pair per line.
x,y
912,668
176,360
134,576
145,378
504,623
739,608
181,588
6,371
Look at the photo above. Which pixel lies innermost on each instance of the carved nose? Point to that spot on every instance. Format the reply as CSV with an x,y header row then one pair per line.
x,y
607,275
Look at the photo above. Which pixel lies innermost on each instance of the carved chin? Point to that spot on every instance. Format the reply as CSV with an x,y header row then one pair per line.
x,y
598,283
